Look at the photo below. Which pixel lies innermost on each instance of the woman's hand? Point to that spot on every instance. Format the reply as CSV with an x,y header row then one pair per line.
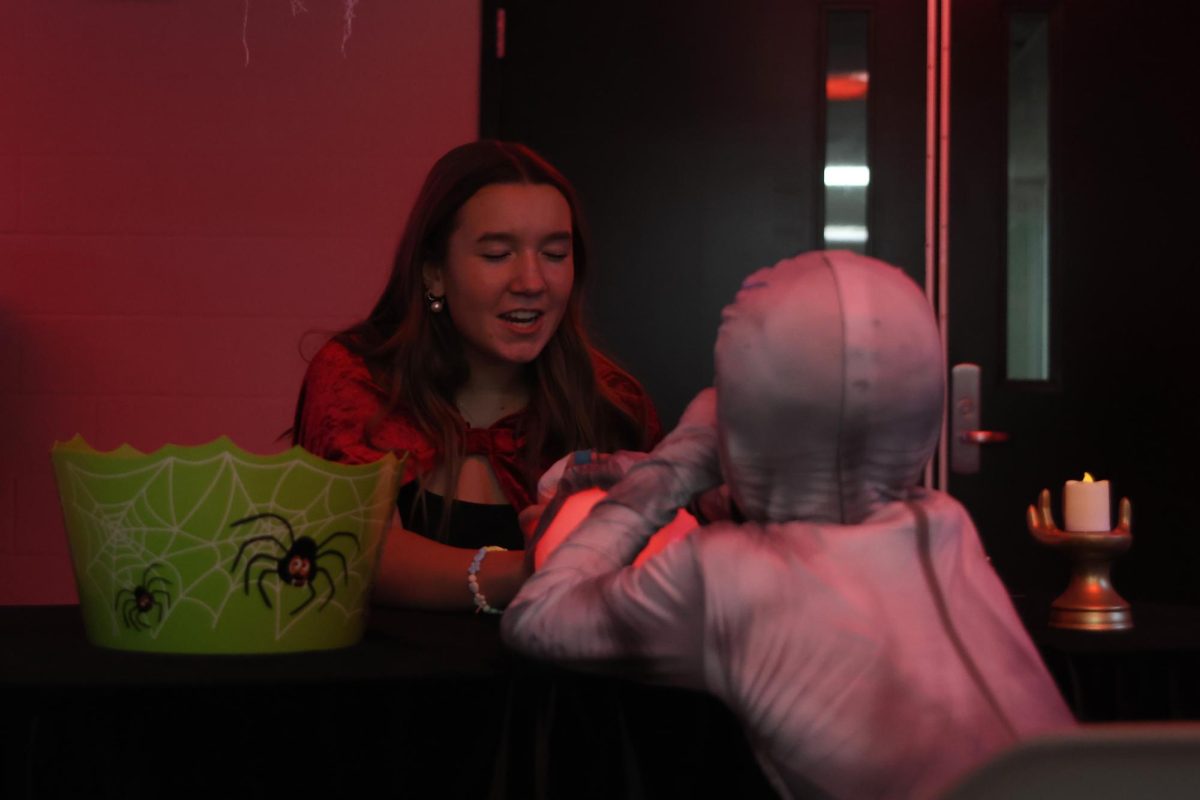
x,y
528,520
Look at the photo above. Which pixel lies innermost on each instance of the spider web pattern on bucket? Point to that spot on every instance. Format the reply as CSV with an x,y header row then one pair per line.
x,y
177,514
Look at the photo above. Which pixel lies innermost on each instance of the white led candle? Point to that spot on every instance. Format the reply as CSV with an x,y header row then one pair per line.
x,y
1086,506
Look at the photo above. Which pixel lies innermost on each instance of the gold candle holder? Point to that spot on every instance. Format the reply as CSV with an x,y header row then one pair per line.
x,y
1090,602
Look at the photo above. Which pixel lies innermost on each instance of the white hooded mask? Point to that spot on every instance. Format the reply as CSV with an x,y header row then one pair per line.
x,y
829,385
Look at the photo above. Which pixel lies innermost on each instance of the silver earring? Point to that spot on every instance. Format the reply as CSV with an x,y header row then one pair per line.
x,y
436,302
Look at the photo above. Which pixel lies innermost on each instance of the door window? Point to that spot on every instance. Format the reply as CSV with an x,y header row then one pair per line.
x,y
847,175
1028,268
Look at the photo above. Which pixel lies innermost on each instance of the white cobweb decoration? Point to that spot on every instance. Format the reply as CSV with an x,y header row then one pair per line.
x,y
184,547
297,8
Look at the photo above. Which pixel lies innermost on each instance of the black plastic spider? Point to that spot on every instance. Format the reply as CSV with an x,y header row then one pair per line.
x,y
298,565
142,599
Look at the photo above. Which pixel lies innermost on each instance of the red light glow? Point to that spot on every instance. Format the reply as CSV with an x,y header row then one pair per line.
x,y
840,86
577,507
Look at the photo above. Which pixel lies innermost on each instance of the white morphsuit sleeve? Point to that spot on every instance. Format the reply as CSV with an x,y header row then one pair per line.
x,y
588,607
615,466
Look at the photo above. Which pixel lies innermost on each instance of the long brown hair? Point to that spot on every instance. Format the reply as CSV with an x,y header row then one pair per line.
x,y
417,358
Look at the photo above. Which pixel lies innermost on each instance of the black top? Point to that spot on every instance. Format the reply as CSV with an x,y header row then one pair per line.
x,y
470,524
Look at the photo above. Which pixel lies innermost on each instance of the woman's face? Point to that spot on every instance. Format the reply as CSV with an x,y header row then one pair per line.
x,y
508,272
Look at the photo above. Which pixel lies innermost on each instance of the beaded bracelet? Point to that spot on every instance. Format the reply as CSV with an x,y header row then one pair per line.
x,y
481,603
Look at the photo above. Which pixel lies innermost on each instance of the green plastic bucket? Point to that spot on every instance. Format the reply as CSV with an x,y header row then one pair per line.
x,y
211,549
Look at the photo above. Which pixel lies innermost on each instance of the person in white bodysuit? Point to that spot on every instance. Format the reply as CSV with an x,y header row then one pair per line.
x,y
849,618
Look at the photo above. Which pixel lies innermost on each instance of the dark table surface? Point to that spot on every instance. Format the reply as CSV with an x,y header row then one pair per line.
x,y
46,646
1150,672
424,699
437,697
1157,628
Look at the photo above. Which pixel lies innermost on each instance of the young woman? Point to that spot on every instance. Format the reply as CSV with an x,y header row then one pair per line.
x,y
475,362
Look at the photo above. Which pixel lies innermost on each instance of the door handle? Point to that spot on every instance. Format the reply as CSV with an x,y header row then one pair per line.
x,y
966,436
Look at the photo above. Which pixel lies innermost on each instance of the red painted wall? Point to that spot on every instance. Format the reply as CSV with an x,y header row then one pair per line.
x,y
173,219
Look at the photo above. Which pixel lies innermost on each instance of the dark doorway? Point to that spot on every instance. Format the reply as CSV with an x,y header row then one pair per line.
x,y
696,134
1120,168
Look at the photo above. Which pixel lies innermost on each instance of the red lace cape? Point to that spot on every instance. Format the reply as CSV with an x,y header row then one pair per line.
x,y
341,400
